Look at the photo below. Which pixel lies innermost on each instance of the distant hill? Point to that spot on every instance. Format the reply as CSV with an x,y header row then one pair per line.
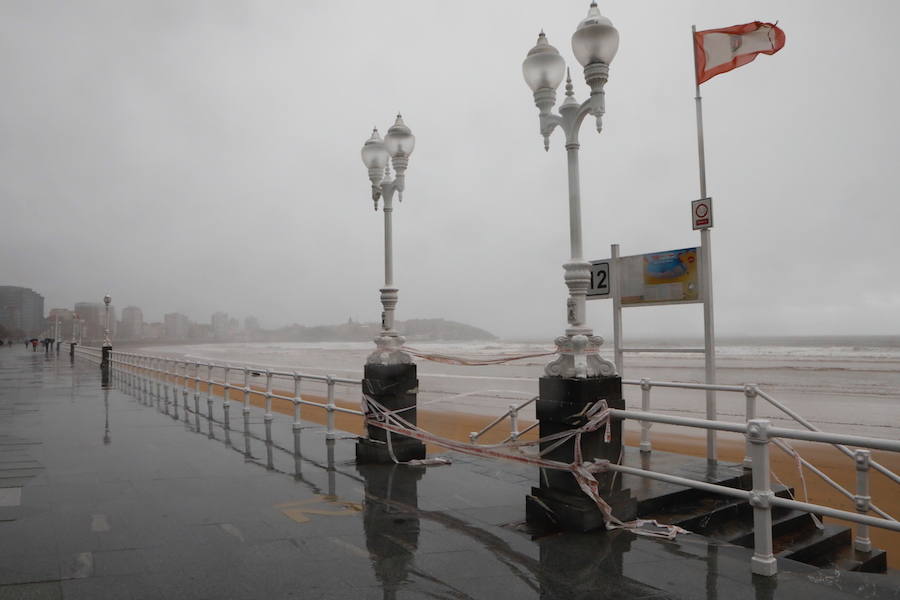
x,y
415,330
440,329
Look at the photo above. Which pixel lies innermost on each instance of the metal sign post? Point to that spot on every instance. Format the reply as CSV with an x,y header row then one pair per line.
x,y
709,333
680,276
617,309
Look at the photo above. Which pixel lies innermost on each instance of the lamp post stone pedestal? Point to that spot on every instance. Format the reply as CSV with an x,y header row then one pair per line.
x,y
393,387
106,349
558,499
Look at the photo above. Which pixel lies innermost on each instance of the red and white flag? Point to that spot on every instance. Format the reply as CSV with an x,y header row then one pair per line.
x,y
721,50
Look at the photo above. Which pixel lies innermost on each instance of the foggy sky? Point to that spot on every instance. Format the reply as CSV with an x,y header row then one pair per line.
x,y
200,156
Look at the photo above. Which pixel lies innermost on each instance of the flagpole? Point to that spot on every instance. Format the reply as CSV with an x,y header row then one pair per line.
x,y
709,333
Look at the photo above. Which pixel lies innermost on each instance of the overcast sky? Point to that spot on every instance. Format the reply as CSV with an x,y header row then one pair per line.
x,y
199,156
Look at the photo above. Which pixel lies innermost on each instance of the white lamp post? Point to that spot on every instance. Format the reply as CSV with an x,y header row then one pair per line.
x,y
106,341
594,44
378,155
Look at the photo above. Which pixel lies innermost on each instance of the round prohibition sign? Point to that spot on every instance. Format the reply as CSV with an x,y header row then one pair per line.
x,y
702,210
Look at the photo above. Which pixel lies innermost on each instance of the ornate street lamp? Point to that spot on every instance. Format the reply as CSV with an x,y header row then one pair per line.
x,y
106,341
594,44
378,155
390,374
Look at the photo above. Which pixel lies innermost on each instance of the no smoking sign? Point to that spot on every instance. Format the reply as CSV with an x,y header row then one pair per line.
x,y
701,213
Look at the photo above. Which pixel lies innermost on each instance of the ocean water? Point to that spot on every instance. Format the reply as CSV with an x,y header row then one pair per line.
x,y
841,384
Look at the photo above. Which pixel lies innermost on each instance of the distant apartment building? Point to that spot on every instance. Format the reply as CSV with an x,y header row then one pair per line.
x,y
63,314
177,326
65,317
154,331
200,331
21,310
219,323
251,324
132,324
93,314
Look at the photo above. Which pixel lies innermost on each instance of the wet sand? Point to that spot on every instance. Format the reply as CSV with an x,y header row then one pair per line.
x,y
458,425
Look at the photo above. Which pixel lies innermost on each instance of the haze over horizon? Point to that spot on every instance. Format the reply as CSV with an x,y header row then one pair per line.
x,y
203,156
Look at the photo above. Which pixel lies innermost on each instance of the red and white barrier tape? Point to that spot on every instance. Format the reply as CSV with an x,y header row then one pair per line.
x,y
598,416
471,361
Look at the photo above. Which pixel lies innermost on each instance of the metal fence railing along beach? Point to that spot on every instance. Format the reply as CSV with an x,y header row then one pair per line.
x,y
168,380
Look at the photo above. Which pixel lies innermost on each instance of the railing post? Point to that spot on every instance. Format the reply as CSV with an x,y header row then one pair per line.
x,y
246,411
166,383
862,499
175,390
329,431
196,379
226,400
157,373
186,392
645,425
146,382
296,426
750,393
513,422
209,399
267,418
763,561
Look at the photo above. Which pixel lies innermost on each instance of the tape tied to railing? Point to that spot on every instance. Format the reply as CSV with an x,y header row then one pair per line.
x,y
472,361
377,415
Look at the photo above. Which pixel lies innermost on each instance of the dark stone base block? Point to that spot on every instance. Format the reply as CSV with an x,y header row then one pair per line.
x,y
374,452
395,388
559,510
559,502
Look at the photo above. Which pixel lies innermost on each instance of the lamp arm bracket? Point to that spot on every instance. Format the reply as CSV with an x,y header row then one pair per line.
x,y
388,188
549,122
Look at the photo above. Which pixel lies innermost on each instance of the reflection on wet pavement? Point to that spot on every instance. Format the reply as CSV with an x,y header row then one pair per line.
x,y
107,494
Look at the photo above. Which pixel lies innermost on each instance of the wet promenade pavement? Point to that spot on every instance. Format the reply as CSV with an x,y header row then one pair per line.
x,y
103,495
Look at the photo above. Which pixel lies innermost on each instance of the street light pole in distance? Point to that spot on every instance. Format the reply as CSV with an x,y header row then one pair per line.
x,y
107,343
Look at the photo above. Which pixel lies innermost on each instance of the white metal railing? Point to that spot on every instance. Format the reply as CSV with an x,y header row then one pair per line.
x,y
92,354
140,373
759,433
166,380
751,392
754,456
